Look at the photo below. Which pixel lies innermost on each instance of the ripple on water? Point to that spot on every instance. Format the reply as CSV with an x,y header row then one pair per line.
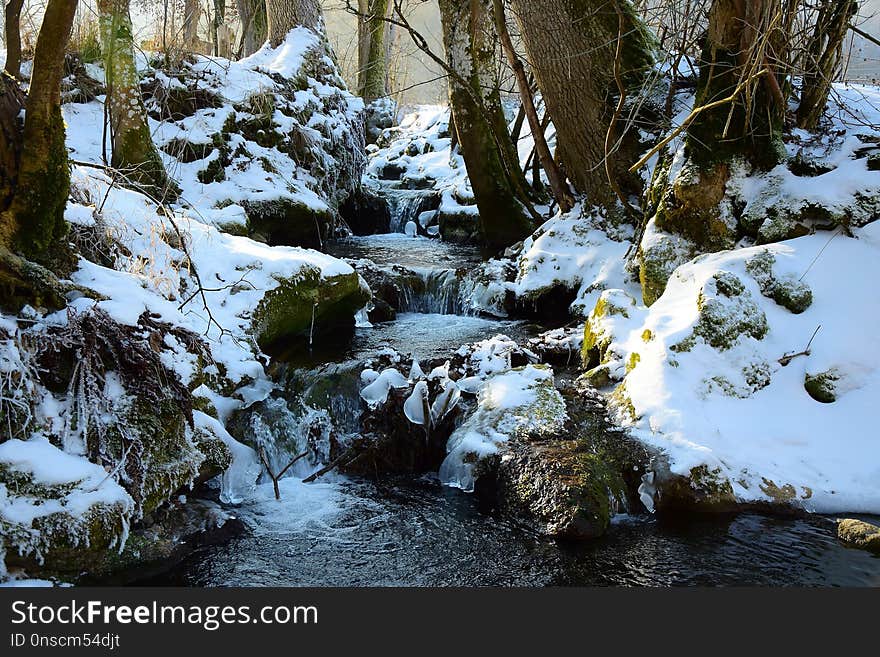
x,y
420,534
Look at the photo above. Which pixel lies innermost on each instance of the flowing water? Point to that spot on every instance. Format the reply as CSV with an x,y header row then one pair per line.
x,y
339,532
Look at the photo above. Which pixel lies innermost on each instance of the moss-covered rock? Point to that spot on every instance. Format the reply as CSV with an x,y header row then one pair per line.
x,y
660,254
597,330
727,312
787,291
823,386
307,304
859,534
289,222
703,489
459,227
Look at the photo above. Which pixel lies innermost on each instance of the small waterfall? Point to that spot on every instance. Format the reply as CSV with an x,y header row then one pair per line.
x,y
433,291
406,206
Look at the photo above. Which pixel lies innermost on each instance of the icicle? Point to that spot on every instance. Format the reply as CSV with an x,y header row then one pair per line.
x,y
647,489
414,407
415,372
445,402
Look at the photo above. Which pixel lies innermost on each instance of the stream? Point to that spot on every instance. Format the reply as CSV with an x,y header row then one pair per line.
x,y
414,532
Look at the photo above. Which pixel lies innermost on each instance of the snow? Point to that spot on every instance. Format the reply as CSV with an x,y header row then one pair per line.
x,y
777,433
509,403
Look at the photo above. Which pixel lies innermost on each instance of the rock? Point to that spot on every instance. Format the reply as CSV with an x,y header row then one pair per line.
x,y
822,386
703,490
308,304
380,115
599,330
459,227
366,213
289,222
727,313
562,489
862,535
659,255
787,291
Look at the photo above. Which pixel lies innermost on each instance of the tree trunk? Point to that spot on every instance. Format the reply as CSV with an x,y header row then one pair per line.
x,y
134,152
823,59
13,37
217,25
571,45
489,155
34,224
558,184
736,62
253,25
373,31
192,9
284,15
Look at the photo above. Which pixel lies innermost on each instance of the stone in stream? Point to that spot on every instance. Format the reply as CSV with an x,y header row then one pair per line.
x,y
859,534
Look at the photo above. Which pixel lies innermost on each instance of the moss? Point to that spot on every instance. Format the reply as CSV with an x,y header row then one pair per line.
x,y
597,339
289,222
859,534
289,310
781,495
658,260
703,490
823,386
727,312
788,292
632,362
647,336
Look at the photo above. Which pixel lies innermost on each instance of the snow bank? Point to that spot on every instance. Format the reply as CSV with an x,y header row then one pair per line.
x,y
709,382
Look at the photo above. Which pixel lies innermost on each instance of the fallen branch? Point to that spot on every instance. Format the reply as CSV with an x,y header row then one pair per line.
x,y
276,477
787,358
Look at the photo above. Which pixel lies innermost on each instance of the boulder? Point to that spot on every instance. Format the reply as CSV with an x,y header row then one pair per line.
x,y
859,534
289,222
308,304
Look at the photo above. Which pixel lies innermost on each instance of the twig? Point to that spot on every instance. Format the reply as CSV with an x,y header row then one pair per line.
x,y
787,358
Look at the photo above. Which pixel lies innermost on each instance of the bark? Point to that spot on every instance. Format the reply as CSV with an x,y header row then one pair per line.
x,y
192,10
217,23
284,15
490,157
13,37
34,223
253,25
133,150
823,59
12,102
737,62
571,46
373,32
558,184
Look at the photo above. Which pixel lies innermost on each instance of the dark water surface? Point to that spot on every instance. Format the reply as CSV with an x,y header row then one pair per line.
x,y
420,534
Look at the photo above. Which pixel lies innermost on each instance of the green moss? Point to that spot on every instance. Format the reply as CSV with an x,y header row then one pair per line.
x,y
611,303
289,310
632,362
823,386
287,221
727,312
788,292
859,534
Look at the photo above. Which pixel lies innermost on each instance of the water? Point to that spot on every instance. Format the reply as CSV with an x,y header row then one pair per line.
x,y
419,534
338,532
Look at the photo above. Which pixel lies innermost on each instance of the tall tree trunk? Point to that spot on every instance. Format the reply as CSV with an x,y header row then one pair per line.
x,y
373,32
217,24
284,15
253,25
192,9
823,59
13,37
34,224
572,46
134,152
489,155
